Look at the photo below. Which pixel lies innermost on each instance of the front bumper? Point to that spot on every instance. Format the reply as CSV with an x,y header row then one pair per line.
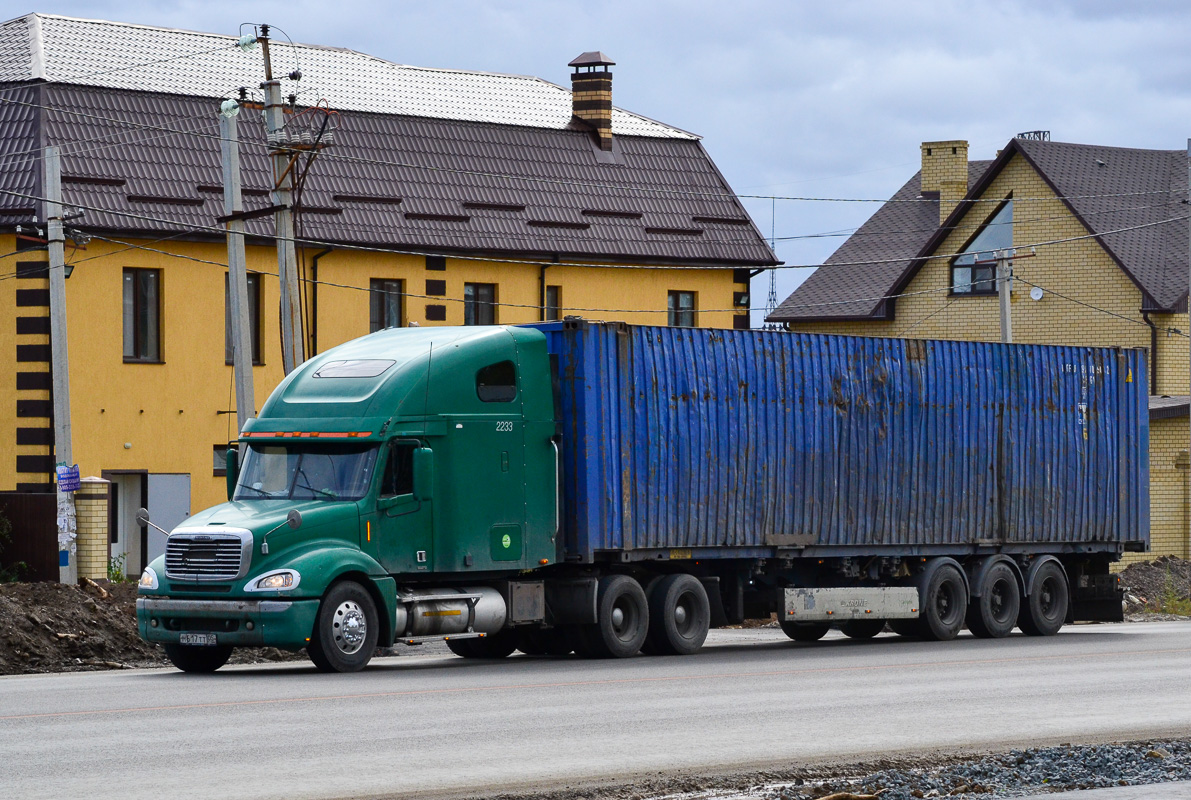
x,y
282,623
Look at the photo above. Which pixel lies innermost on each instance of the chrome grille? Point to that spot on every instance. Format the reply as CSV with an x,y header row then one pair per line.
x,y
195,556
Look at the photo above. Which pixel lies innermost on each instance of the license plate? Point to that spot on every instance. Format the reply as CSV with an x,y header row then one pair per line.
x,y
202,639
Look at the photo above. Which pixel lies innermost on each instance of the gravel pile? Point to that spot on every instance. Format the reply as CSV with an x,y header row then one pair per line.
x,y
1018,773
1151,585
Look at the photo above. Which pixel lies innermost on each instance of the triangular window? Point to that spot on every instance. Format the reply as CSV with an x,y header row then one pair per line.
x,y
975,271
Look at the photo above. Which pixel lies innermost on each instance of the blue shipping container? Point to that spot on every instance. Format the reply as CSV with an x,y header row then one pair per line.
x,y
736,443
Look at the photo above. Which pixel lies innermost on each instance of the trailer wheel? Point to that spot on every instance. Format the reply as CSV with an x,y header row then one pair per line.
x,y
679,616
945,604
495,645
993,614
345,629
862,628
907,628
543,641
623,618
191,658
1045,609
804,631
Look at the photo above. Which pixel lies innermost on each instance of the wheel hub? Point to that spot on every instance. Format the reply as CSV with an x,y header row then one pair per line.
x,y
617,618
680,615
350,627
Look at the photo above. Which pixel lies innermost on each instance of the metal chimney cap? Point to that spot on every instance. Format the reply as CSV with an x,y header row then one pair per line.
x,y
592,58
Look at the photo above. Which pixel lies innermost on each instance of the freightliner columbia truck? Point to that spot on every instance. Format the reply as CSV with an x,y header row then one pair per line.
x,y
607,489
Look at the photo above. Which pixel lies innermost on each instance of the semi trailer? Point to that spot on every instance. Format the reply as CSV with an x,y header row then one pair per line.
x,y
608,489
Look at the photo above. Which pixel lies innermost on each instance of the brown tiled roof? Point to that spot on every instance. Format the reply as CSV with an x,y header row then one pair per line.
x,y
1149,187
845,289
442,185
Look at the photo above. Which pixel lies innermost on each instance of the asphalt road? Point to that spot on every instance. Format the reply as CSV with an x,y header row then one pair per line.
x,y
440,725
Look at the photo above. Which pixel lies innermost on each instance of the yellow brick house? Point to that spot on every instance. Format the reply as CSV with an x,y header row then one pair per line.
x,y
448,197
1101,237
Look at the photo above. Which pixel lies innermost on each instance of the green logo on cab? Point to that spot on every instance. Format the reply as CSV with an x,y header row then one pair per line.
x,y
506,541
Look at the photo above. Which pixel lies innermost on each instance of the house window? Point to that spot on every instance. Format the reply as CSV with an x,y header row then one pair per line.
x,y
681,310
142,315
385,298
254,318
479,304
553,302
975,272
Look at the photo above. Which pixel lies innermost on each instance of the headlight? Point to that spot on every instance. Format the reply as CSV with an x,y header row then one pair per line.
x,y
279,580
148,579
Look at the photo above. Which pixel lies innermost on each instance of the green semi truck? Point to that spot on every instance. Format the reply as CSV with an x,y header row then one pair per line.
x,y
607,489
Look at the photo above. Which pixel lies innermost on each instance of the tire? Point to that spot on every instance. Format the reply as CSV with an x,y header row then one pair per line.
x,y
805,631
907,628
577,640
944,605
543,641
862,628
495,645
345,629
993,614
199,660
623,619
1045,610
679,616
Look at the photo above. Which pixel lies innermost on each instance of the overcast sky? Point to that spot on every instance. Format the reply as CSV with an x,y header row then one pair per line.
x,y
823,99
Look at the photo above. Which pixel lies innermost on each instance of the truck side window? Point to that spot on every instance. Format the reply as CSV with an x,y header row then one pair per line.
x,y
399,470
497,383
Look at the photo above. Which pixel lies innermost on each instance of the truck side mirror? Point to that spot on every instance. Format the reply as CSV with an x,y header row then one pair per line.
x,y
231,459
424,473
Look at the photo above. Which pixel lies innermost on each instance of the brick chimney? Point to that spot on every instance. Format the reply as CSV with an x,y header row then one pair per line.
x,y
945,172
591,94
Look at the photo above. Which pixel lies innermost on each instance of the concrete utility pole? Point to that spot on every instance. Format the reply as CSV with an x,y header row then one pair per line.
x,y
292,337
237,270
60,364
1004,286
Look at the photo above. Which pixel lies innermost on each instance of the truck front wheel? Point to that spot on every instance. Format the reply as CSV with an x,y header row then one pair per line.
x,y
191,658
345,629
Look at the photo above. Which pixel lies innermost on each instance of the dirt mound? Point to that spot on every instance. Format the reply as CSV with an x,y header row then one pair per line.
x,y
53,627
1159,586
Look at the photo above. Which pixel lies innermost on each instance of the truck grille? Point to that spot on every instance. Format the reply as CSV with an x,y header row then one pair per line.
x,y
207,556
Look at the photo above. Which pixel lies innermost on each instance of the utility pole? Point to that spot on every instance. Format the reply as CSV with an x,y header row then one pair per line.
x,y
233,207
283,160
1004,286
60,365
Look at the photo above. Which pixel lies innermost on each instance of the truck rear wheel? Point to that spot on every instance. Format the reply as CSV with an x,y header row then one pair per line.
x,y
345,629
994,613
192,658
805,631
495,645
862,628
944,605
1045,609
679,616
623,619
908,628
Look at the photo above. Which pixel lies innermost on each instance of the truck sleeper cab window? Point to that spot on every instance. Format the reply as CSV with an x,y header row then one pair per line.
x,y
306,472
497,383
399,469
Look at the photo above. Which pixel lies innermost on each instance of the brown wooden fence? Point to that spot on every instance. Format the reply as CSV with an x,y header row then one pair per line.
x,y
34,534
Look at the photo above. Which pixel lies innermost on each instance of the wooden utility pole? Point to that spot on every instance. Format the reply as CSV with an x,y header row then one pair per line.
x,y
233,208
60,364
283,159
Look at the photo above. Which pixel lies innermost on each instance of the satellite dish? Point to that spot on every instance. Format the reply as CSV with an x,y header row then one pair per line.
x,y
1036,293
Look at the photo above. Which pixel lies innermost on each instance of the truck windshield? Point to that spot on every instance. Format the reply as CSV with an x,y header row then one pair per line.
x,y
305,472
